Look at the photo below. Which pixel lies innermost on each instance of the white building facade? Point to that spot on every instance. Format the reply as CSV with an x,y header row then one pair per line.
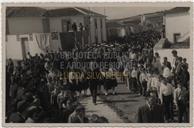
x,y
177,24
23,22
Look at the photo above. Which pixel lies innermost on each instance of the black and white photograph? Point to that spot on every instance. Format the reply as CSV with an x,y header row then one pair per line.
x,y
98,64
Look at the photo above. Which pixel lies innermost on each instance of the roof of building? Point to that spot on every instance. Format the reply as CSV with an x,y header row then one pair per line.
x,y
154,14
134,19
63,12
25,12
89,12
177,10
38,12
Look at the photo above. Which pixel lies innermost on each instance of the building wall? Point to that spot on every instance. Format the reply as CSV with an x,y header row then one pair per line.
x,y
56,22
92,31
13,48
28,25
55,25
99,32
104,37
24,25
177,23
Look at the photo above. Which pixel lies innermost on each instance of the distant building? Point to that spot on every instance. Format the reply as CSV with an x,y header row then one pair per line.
x,y
153,21
124,25
25,24
177,27
132,24
136,24
177,24
174,26
115,30
24,20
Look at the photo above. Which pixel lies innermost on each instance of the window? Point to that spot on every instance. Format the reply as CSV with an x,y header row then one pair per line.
x,y
176,37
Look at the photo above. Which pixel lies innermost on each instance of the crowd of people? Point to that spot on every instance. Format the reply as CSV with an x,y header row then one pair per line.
x,y
164,84
166,89
37,92
39,89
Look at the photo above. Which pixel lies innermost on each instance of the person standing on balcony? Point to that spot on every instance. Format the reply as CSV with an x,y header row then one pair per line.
x,y
74,27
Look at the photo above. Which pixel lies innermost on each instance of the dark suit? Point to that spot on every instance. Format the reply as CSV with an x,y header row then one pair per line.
x,y
147,115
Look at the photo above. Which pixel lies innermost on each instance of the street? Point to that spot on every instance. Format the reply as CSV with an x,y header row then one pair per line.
x,y
119,108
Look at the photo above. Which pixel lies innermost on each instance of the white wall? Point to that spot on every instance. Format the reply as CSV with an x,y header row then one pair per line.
x,y
177,23
56,24
24,25
13,48
185,53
